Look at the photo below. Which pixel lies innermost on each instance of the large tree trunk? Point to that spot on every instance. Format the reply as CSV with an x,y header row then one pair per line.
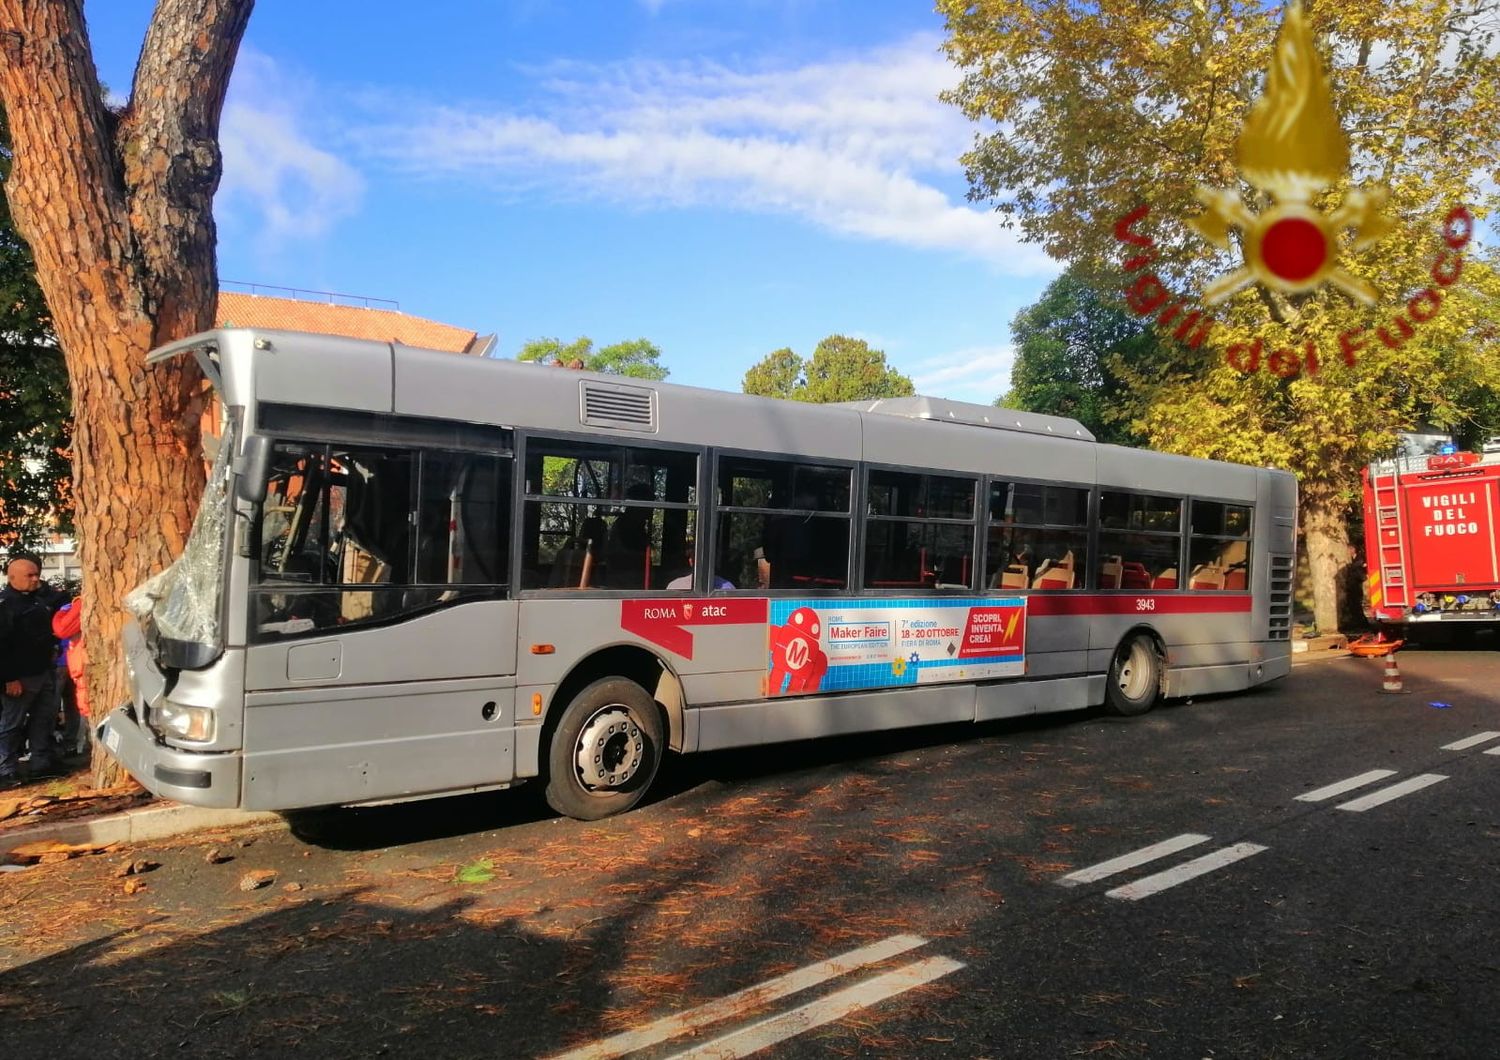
x,y
1325,529
121,228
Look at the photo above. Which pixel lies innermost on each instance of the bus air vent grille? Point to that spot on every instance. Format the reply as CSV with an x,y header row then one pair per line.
x,y
625,408
1280,624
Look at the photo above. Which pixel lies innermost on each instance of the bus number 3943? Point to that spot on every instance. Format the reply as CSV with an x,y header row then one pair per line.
x,y
1145,603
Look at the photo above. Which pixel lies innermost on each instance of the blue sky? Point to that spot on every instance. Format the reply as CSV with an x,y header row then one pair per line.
x,y
723,177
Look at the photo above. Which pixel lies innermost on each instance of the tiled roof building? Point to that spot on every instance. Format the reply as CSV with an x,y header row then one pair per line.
x,y
237,309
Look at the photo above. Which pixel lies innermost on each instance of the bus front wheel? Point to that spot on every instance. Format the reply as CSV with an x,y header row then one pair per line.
x,y
606,750
1134,677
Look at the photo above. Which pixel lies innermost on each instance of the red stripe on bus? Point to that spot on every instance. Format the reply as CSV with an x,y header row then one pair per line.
x,y
1143,604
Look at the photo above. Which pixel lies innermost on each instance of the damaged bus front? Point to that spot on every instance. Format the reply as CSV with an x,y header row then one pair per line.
x,y
178,733
339,627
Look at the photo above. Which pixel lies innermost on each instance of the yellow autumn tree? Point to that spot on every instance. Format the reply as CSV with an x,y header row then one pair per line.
x,y
1089,113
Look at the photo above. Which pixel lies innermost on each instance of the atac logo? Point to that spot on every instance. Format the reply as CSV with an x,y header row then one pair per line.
x,y
1292,149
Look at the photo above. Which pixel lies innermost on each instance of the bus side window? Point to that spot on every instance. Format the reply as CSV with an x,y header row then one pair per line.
x,y
1219,546
919,531
352,535
782,525
603,516
1038,537
1147,555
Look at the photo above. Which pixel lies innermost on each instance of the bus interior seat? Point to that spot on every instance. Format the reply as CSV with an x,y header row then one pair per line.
x,y
1237,577
1054,578
1110,573
1015,576
1167,579
1206,576
1055,574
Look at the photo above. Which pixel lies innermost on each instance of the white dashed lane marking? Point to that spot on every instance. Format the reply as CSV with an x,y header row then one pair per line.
x,y
835,1006
1149,885
1492,751
1338,788
1473,741
743,1002
1131,860
1395,791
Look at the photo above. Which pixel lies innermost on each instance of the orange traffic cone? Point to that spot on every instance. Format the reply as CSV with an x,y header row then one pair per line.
x,y
1392,675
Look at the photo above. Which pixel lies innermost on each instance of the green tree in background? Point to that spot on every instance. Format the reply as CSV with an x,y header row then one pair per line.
x,y
840,369
1069,345
35,411
638,358
1090,111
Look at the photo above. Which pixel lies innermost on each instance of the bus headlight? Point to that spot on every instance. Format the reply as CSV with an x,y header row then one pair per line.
x,y
186,723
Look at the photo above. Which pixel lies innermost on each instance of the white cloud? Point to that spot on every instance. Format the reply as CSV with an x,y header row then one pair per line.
x,y
975,373
273,170
859,146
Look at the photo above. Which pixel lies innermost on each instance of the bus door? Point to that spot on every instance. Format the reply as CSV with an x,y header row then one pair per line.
x,y
381,658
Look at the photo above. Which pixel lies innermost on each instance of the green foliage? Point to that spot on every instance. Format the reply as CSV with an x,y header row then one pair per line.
x,y
481,871
637,358
35,403
778,375
1067,346
840,369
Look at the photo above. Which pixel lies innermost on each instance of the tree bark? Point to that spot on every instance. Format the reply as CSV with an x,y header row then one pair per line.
x,y
121,228
1325,529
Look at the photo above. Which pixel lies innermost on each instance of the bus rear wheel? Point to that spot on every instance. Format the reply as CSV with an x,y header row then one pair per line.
x,y
606,750
1134,677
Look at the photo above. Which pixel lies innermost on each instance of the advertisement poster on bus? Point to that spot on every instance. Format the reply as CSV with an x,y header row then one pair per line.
x,y
836,645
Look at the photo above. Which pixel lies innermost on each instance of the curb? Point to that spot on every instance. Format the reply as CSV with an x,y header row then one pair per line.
x,y
136,826
1308,658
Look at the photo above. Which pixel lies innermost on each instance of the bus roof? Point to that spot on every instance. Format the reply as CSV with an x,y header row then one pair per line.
x,y
322,371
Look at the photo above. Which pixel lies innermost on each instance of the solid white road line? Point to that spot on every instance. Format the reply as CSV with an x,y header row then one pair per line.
x,y
1342,786
1131,860
742,1002
1395,791
1149,885
835,1006
1473,741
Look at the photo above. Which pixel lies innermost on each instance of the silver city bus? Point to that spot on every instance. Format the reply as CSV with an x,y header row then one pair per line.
x,y
417,573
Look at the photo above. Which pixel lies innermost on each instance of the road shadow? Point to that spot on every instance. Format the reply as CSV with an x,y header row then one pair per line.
x,y
599,928
1454,637
419,821
866,754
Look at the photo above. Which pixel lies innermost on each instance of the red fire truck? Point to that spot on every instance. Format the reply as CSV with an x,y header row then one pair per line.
x,y
1432,540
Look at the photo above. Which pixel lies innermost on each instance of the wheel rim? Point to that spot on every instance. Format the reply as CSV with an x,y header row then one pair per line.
x,y
1135,673
610,749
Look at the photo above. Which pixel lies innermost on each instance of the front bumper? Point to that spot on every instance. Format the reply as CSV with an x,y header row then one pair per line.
x,y
190,777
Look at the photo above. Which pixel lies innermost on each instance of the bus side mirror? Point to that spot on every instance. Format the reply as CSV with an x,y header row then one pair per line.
x,y
252,468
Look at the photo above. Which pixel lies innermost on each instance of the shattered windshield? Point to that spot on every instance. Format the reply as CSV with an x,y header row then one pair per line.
x,y
182,602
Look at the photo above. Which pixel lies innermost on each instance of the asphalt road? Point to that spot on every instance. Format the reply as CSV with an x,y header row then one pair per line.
x,y
1177,885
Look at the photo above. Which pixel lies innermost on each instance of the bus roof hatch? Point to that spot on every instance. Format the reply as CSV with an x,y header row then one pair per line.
x,y
966,412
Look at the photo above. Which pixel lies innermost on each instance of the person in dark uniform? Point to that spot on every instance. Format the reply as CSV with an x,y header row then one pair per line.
x,y
28,673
